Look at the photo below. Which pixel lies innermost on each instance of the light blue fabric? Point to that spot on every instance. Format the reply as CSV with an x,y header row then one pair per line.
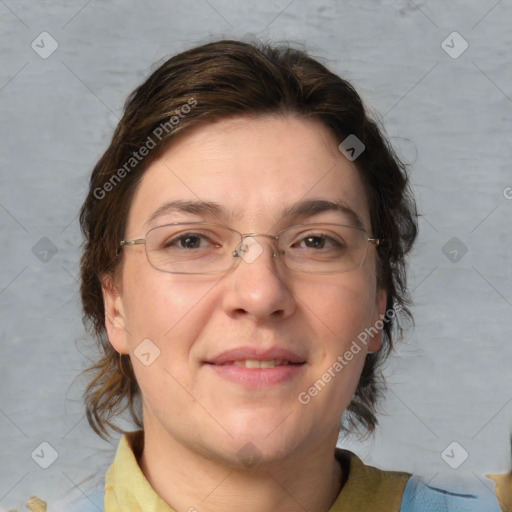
x,y
420,497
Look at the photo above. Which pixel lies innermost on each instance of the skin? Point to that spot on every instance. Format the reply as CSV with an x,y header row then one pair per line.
x,y
195,421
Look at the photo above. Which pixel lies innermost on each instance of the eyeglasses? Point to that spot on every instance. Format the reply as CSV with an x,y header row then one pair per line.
x,y
203,248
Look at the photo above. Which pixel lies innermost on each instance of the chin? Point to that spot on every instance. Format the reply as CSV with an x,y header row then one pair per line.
x,y
262,437
252,453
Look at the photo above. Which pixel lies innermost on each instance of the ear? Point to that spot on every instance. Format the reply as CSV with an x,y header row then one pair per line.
x,y
378,320
115,319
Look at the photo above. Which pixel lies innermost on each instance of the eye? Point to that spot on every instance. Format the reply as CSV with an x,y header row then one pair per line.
x,y
318,241
190,241
315,242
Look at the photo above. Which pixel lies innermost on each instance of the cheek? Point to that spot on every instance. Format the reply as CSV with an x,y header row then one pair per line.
x,y
340,312
170,311
164,307
343,307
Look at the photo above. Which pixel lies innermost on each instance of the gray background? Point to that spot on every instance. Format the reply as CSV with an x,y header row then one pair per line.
x,y
450,117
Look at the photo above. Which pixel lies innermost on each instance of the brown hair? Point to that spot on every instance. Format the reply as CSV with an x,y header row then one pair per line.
x,y
201,85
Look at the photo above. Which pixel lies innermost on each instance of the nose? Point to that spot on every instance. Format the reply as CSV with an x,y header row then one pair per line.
x,y
257,286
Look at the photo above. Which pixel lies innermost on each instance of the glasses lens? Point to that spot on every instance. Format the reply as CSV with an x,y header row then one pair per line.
x,y
187,248
323,248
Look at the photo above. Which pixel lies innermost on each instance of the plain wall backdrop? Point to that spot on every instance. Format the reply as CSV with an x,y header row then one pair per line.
x,y
446,102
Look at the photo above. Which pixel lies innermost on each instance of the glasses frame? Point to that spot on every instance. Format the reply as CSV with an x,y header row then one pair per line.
x,y
237,252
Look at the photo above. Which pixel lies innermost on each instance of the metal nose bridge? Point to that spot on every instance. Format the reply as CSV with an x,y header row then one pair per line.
x,y
240,248
275,237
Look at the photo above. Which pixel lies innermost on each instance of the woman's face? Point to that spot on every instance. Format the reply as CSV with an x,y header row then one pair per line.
x,y
178,329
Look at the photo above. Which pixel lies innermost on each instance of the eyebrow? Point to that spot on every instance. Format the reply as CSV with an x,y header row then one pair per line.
x,y
195,207
312,207
307,208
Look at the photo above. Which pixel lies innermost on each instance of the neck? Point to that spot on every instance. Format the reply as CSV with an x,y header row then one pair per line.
x,y
188,480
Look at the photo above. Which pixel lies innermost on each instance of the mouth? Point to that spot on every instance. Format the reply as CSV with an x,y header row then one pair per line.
x,y
252,357
256,369
255,363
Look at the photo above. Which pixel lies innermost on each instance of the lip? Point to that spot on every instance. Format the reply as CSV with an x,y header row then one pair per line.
x,y
256,378
244,353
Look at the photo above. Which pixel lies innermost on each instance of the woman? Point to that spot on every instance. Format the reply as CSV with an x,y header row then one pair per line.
x,y
244,273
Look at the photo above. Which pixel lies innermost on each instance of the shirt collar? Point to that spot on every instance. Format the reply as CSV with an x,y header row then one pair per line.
x,y
366,488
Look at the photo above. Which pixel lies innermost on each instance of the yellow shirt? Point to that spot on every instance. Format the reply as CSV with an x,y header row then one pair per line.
x,y
127,490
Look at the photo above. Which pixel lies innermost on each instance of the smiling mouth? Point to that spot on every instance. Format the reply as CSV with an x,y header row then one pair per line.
x,y
254,363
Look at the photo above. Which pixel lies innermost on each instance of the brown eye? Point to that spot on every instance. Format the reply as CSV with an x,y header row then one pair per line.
x,y
315,242
189,241
318,242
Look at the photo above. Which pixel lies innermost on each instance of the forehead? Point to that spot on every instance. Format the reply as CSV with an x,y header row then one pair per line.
x,y
254,169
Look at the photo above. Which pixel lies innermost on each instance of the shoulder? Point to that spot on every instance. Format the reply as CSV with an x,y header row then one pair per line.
x,y
370,488
420,497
